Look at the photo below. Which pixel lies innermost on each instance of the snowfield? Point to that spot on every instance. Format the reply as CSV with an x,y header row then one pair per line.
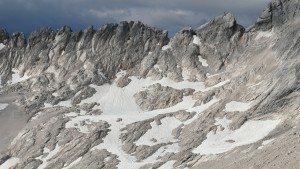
x,y
119,103
226,139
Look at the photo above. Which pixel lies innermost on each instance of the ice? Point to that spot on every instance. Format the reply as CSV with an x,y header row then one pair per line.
x,y
203,61
162,133
196,40
226,139
237,106
10,163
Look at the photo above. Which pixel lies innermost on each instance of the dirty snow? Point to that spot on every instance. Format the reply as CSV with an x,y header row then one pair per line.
x,y
226,140
237,106
10,163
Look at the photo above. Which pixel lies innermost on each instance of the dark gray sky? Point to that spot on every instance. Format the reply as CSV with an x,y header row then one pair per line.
x,y
172,15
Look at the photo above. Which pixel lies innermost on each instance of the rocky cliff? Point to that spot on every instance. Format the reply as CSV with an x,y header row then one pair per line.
x,y
126,96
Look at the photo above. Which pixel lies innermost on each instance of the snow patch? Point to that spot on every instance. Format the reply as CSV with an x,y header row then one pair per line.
x,y
16,78
2,46
196,40
66,103
166,47
203,61
237,106
3,106
157,68
226,139
36,116
55,94
10,163
47,105
265,143
264,34
48,157
72,164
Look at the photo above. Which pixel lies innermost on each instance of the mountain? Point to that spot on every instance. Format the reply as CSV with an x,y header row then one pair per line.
x,y
126,96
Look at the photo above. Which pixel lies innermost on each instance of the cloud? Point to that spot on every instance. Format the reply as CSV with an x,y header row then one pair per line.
x,y
172,15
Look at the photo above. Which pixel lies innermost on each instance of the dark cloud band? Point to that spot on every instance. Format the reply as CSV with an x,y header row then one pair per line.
x,y
172,15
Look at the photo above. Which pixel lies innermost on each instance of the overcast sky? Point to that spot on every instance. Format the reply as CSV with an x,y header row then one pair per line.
x,y
172,15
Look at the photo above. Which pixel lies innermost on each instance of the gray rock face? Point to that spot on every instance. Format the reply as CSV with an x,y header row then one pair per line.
x,y
127,96
4,36
278,12
158,97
